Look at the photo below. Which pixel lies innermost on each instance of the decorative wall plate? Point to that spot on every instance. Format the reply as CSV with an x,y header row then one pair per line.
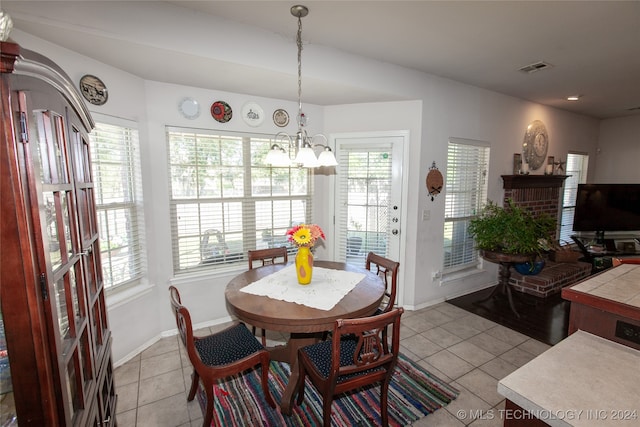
x,y
189,108
535,145
280,117
93,89
221,111
252,114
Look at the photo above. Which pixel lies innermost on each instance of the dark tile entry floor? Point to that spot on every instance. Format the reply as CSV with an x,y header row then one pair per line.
x,y
544,319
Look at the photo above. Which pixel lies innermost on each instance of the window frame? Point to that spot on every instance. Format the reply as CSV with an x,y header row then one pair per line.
x,y
133,245
455,212
575,176
212,229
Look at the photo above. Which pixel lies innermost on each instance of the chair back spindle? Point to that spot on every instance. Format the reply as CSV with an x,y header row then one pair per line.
x,y
388,270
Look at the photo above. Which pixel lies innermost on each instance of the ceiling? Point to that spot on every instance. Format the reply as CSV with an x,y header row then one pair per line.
x,y
592,48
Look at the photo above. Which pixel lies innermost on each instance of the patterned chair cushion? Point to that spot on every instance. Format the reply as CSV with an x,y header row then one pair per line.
x,y
320,355
227,346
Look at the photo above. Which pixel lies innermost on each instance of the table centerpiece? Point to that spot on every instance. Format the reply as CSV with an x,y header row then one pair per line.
x,y
305,236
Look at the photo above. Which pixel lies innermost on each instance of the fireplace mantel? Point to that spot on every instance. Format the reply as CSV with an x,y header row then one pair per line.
x,y
532,181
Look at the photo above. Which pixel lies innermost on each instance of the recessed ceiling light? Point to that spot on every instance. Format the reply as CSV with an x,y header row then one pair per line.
x,y
573,97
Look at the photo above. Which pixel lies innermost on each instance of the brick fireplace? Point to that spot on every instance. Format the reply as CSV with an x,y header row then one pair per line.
x,y
542,193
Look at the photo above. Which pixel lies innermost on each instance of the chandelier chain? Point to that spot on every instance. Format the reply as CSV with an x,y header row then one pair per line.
x,y
301,144
299,43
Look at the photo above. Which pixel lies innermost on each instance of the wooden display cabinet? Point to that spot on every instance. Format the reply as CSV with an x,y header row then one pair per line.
x,y
52,299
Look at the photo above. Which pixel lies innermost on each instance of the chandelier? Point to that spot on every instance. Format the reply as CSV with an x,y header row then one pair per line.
x,y
301,143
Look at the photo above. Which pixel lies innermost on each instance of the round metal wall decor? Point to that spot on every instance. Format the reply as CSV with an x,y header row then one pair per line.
x,y
281,117
535,145
434,181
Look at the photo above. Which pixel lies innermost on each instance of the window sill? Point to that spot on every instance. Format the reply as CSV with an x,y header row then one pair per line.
x,y
190,277
124,296
455,276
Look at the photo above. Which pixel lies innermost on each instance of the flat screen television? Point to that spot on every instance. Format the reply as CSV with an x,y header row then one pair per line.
x,y
607,207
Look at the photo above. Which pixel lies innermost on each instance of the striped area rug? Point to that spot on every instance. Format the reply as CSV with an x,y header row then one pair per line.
x,y
413,394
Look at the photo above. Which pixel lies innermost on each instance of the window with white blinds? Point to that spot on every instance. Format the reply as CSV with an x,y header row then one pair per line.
x,y
465,193
576,169
224,199
364,186
116,172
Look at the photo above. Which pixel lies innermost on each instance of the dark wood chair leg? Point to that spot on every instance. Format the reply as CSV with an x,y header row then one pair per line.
x,y
384,395
263,334
208,412
265,381
326,410
195,379
300,385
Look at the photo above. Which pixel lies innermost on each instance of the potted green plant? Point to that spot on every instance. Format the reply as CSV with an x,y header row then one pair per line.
x,y
511,233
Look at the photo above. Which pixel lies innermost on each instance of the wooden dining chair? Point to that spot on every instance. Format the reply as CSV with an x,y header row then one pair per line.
x,y
356,355
388,270
225,353
266,257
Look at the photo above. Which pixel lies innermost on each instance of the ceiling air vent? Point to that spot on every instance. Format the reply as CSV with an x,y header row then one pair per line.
x,y
536,66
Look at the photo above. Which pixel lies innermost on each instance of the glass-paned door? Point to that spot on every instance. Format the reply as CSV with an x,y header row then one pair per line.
x,y
368,197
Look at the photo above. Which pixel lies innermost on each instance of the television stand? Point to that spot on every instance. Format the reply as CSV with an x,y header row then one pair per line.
x,y
609,245
600,255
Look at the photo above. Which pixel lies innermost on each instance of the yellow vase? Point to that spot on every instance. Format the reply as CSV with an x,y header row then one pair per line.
x,y
304,265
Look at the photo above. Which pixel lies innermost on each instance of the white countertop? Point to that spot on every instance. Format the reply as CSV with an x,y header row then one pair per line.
x,y
620,284
584,380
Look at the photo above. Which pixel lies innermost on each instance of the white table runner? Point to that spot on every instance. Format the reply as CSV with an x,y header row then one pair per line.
x,y
326,289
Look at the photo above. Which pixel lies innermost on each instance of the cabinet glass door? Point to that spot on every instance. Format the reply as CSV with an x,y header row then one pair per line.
x,y
68,257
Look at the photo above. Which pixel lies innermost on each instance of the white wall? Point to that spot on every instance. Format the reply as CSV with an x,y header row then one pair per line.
x,y
618,154
450,109
435,110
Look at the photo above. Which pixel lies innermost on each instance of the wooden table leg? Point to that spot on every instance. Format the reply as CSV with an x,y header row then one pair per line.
x,y
289,353
505,274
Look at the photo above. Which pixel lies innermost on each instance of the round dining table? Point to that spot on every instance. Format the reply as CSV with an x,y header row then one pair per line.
x,y
305,325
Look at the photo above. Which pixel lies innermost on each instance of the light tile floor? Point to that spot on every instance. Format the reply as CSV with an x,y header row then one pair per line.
x,y
466,350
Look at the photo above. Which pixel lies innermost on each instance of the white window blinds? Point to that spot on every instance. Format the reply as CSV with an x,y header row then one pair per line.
x,y
576,169
224,199
465,193
116,171
364,186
